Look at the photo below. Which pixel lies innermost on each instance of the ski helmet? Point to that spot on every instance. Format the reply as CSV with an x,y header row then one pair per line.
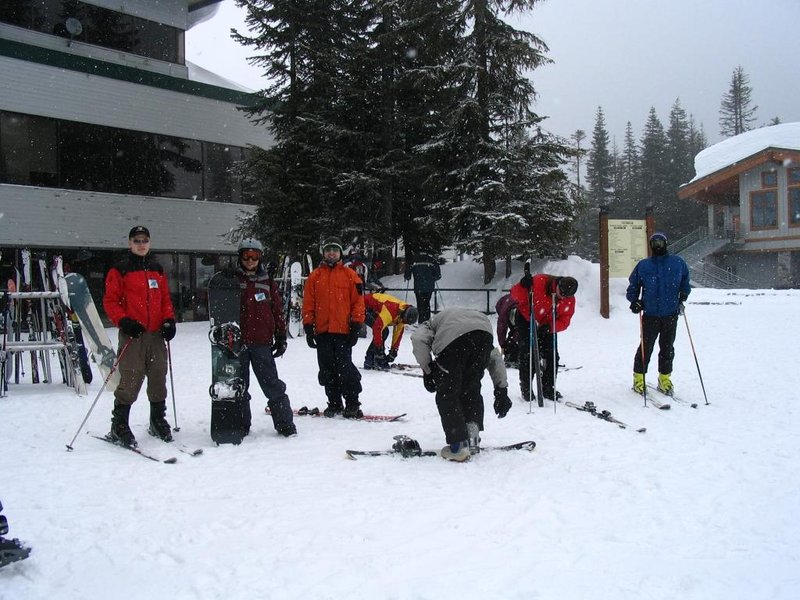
x,y
251,244
410,315
567,286
331,241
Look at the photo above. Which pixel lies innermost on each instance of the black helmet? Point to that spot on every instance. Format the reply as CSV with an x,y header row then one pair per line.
x,y
331,241
410,315
658,243
567,286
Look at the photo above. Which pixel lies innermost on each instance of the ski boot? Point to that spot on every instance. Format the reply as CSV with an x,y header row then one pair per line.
x,y
458,452
159,427
120,430
665,384
352,410
473,437
638,382
334,408
288,430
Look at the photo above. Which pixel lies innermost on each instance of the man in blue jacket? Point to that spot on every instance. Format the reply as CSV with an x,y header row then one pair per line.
x,y
663,281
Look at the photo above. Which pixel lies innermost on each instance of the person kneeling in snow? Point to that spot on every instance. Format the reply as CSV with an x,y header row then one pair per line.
x,y
462,341
384,311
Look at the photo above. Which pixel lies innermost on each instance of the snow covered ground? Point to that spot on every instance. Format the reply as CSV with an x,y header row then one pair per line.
x,y
704,505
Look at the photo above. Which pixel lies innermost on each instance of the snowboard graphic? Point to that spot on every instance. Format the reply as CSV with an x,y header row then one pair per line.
x,y
295,314
75,293
230,407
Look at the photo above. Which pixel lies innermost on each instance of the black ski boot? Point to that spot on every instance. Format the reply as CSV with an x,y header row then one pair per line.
x,y
159,426
352,410
120,430
334,407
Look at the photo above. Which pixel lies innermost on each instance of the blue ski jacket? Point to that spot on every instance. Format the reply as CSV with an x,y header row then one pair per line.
x,y
662,280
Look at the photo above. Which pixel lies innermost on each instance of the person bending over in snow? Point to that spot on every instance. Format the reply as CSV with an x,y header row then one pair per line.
x,y
663,281
461,340
507,336
384,311
542,290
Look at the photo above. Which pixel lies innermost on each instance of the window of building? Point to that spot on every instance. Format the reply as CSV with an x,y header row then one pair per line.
x,y
793,176
55,153
100,27
764,209
794,206
769,179
28,150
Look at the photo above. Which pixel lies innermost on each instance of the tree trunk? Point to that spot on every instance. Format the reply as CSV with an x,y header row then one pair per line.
x,y
489,266
508,266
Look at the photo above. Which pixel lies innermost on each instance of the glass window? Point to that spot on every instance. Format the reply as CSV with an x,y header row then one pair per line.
x,y
769,179
100,26
794,206
764,209
793,176
220,183
28,150
182,161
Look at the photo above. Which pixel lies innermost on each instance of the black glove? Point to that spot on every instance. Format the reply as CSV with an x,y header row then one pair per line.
x,y
526,281
355,329
636,306
681,308
279,345
309,329
683,297
392,356
431,380
502,403
168,329
131,327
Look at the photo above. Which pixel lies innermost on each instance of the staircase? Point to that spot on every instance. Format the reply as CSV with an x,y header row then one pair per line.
x,y
694,248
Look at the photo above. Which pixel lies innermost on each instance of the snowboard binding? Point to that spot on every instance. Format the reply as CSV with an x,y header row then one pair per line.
x,y
10,550
227,336
406,446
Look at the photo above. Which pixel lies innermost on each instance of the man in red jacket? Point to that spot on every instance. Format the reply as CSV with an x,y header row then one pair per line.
x,y
546,289
137,301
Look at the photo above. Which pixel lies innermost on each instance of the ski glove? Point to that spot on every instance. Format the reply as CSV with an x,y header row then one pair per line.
x,y
430,380
355,329
392,356
279,346
131,327
683,297
168,329
309,329
636,306
502,403
681,308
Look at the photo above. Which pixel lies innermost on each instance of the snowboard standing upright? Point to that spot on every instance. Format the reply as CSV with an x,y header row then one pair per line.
x,y
75,293
295,312
230,405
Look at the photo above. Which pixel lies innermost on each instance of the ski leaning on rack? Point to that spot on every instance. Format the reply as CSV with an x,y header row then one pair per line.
x,y
407,447
304,411
605,415
170,461
672,396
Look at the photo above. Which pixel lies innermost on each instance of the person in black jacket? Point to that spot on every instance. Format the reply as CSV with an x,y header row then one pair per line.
x,y
426,272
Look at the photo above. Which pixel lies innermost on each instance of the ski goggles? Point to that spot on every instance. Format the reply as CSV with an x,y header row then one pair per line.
x,y
251,255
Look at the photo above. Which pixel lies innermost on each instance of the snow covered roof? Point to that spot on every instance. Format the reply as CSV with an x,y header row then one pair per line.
x,y
728,152
201,75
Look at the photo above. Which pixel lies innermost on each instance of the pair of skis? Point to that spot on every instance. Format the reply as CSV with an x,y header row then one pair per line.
x,y
407,447
304,411
169,461
590,408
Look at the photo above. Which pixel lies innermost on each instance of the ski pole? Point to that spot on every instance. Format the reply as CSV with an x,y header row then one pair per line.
x,y
555,359
172,387
530,340
96,398
644,365
691,343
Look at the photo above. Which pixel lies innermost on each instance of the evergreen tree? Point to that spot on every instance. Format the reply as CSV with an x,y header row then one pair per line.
x,y
679,217
736,115
600,165
654,186
629,187
580,152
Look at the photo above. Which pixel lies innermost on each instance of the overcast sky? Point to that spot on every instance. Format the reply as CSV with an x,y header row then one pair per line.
x,y
623,55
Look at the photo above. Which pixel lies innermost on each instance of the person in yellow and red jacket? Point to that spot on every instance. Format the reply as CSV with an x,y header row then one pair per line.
x,y
333,314
137,300
384,311
544,288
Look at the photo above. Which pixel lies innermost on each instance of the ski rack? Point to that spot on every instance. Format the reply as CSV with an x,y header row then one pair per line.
x,y
44,341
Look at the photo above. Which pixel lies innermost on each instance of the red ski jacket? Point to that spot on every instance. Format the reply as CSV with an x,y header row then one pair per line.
x,y
332,299
137,288
543,288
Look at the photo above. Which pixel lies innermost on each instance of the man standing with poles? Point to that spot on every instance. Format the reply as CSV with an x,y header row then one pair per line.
x,y
542,296
662,280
